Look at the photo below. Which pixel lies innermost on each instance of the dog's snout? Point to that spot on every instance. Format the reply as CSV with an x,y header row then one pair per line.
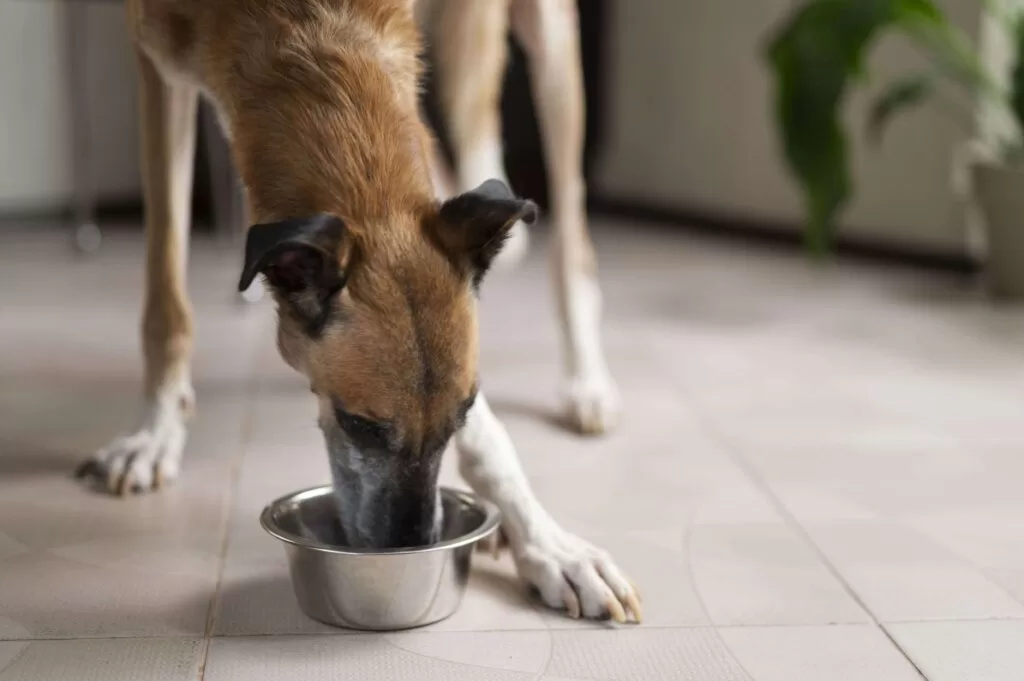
x,y
393,510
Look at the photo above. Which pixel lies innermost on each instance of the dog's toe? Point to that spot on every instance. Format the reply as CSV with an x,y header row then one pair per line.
x,y
137,463
579,579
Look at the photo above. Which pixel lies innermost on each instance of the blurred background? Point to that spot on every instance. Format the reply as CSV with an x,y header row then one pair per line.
x,y
679,124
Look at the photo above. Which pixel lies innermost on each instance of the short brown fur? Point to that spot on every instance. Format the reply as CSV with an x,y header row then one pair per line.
x,y
320,98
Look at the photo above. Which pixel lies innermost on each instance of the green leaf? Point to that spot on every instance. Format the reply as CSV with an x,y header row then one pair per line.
x,y
899,95
949,50
918,10
1017,76
815,57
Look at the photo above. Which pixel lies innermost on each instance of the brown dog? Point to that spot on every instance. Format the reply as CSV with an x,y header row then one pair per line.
x,y
374,278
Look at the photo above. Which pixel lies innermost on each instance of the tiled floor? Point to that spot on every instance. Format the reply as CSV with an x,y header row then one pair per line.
x,y
818,478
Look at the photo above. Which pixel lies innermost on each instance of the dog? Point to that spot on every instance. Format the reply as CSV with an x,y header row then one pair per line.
x,y
374,277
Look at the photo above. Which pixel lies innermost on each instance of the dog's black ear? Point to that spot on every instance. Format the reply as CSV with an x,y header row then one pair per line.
x,y
476,224
299,258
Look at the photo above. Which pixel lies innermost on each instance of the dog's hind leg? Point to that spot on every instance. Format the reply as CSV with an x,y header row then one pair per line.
x,y
567,572
471,49
548,31
151,455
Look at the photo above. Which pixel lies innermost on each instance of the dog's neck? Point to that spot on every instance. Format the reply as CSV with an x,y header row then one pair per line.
x,y
327,121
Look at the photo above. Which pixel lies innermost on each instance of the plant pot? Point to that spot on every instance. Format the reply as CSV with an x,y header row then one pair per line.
x,y
999,192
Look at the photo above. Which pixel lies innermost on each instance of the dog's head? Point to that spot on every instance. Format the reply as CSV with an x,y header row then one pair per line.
x,y
381,318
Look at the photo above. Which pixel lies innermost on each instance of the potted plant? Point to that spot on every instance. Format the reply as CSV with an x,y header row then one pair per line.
x,y
818,54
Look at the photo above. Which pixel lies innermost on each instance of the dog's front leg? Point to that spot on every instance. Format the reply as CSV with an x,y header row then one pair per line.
x,y
150,455
567,571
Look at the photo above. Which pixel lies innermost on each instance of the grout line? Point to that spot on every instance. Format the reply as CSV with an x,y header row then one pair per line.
x,y
20,654
252,394
963,444
735,454
203,657
701,603
579,629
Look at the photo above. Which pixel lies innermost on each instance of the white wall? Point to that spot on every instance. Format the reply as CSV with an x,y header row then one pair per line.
x,y
34,128
690,125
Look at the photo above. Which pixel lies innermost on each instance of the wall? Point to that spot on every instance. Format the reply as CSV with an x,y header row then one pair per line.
x,y
688,121
689,126
34,129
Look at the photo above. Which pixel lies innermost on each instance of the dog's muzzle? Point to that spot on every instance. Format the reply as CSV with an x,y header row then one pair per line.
x,y
385,502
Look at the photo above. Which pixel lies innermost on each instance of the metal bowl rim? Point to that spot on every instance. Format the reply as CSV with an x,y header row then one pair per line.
x,y
492,518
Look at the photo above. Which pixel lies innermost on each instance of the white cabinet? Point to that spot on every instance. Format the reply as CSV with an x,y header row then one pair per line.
x,y
35,134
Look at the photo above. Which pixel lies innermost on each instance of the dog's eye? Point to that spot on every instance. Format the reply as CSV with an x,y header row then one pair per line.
x,y
364,432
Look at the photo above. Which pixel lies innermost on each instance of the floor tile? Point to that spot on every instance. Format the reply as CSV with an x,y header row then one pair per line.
x,y
837,653
255,594
780,419
361,657
643,655
86,564
628,655
82,563
960,651
880,474
172,659
763,574
901,575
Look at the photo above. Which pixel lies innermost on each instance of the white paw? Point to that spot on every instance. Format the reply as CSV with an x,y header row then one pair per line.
x,y
593,403
572,575
146,459
515,248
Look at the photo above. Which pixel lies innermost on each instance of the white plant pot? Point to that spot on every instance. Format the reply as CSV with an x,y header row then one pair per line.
x,y
999,192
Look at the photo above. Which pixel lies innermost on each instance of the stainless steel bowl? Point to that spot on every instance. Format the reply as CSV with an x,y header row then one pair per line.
x,y
377,590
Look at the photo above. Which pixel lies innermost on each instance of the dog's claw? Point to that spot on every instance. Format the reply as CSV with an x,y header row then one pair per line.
x,y
615,611
637,596
572,604
632,603
87,469
113,485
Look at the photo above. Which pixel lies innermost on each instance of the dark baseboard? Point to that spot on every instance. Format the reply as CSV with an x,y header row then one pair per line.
x,y
120,210
126,213
778,235
123,212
